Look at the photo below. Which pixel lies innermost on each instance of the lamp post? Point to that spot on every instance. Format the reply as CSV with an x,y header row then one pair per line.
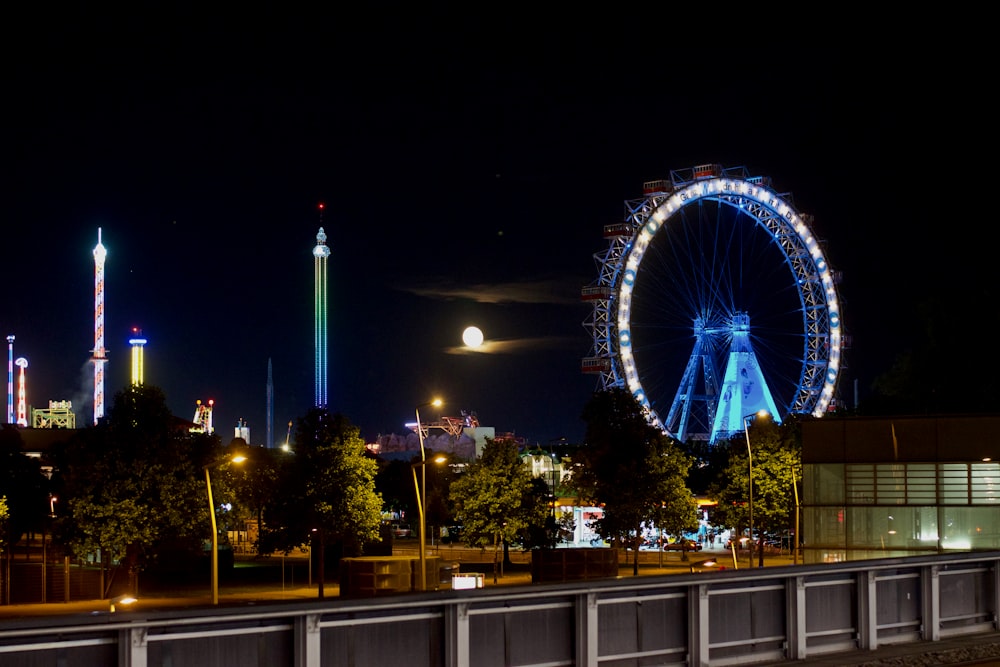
x,y
421,497
746,432
555,474
239,458
795,536
422,493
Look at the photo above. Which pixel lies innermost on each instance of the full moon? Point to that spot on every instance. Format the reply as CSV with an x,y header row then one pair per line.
x,y
472,336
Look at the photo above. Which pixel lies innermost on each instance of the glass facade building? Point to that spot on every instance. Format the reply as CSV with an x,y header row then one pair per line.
x,y
888,487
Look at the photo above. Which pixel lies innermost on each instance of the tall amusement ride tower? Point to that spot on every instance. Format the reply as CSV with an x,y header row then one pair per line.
x,y
22,403
10,379
320,254
99,357
269,439
137,341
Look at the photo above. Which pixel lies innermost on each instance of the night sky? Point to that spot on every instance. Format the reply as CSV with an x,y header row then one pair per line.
x,y
467,166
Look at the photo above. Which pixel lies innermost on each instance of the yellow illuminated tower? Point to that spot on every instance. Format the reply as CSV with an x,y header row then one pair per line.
x,y
137,342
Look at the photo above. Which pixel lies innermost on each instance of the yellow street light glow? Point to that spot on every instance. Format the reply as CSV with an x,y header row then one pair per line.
x,y
236,458
121,601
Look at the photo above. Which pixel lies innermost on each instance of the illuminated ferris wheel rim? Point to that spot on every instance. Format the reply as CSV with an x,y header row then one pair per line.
x,y
754,199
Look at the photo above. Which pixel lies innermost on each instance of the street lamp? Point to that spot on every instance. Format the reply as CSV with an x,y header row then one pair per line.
x,y
239,458
746,432
286,447
437,403
553,473
795,537
421,498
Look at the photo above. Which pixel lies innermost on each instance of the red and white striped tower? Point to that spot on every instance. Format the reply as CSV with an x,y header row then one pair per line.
x,y
99,357
22,402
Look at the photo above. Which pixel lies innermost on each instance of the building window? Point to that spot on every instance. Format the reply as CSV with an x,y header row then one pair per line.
x,y
985,483
921,484
860,485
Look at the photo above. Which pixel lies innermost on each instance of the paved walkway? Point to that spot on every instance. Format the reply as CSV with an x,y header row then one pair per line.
x,y
271,586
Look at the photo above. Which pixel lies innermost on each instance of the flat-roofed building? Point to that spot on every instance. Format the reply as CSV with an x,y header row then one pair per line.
x,y
899,486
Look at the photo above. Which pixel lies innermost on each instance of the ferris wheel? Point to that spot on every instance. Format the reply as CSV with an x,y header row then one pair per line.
x,y
735,309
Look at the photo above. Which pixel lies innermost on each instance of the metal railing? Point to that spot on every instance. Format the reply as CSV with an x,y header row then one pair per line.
x,y
712,618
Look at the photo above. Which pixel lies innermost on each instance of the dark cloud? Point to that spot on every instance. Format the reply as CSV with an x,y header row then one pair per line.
x,y
549,291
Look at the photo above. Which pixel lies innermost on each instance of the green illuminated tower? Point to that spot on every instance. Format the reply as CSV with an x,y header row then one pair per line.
x,y
320,254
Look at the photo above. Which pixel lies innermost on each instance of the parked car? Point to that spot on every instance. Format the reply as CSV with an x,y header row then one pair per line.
x,y
451,534
679,545
401,529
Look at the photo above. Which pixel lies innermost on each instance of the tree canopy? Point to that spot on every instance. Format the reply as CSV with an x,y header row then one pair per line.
x,y
634,471
776,457
135,482
327,495
256,483
492,498
23,484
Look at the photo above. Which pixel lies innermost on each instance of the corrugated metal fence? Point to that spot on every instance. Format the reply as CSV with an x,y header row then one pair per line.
x,y
713,618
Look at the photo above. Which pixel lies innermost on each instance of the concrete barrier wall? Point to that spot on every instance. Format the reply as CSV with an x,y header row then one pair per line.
x,y
562,565
714,618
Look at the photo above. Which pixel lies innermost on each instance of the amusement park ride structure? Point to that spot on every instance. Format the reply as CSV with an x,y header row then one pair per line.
x,y
451,425
734,245
59,415
10,379
137,342
22,406
100,357
203,417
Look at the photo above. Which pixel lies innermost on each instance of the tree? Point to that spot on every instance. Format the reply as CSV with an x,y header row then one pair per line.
x,y
4,517
540,531
439,476
328,495
924,377
135,483
489,497
633,470
23,484
256,483
707,461
394,482
776,455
